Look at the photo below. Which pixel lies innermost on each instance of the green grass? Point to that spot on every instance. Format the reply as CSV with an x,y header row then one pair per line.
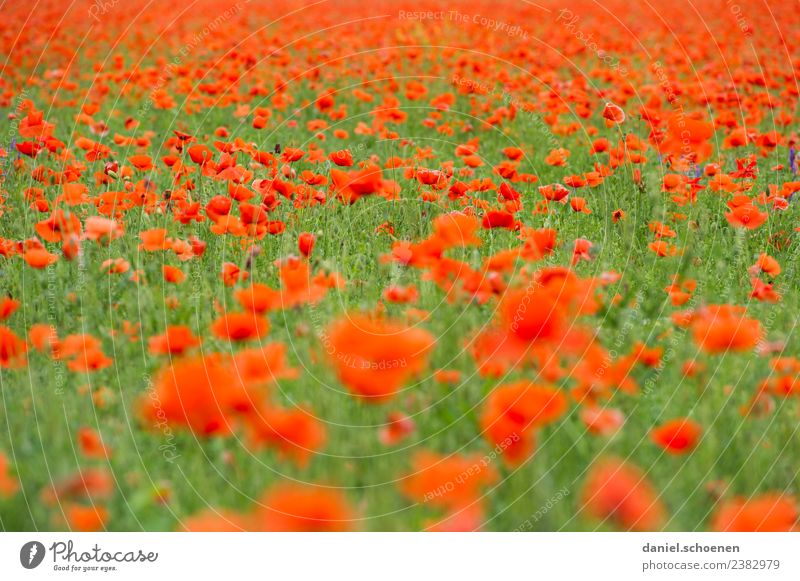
x,y
43,405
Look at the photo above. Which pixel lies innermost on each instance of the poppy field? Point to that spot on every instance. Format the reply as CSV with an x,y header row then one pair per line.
x,y
399,266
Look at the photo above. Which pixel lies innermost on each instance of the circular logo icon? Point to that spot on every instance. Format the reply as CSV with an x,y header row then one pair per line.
x,y
31,554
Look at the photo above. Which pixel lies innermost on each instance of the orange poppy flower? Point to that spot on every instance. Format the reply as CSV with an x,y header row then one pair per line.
x,y
447,376
115,266
579,205
720,328
8,484
455,230
374,359
59,225
13,350
86,519
602,421
746,216
613,113
173,274
305,243
447,482
202,394
44,338
39,257
176,340
297,434
258,298
93,484
688,137
102,230
769,512
342,158
619,492
263,365
91,444
304,508
154,239
141,162
677,436
400,295
766,264
7,307
231,274
513,412
217,521
397,428
298,287
351,186
239,326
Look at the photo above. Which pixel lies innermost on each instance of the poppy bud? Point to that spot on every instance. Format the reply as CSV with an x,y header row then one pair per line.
x,y
613,113
305,243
